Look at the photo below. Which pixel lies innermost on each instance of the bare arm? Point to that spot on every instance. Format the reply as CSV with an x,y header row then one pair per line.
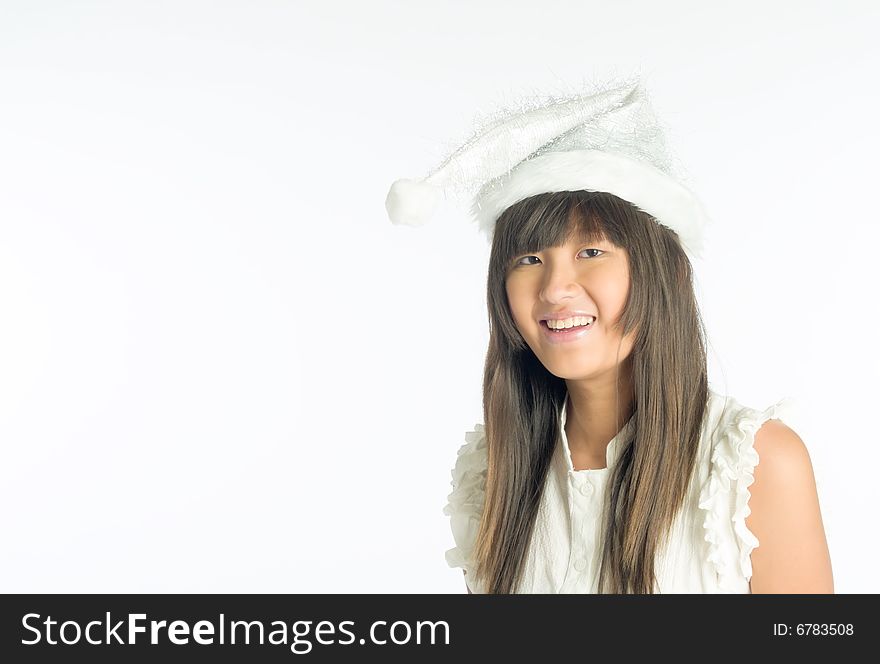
x,y
792,554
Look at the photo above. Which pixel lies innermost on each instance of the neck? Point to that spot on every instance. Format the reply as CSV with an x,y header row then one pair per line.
x,y
598,408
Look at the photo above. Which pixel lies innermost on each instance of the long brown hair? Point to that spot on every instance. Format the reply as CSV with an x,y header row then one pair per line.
x,y
522,399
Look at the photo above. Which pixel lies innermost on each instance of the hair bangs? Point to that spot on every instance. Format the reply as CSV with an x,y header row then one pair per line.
x,y
550,220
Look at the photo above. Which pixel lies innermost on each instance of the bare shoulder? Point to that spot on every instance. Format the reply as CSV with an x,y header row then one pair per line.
x,y
792,554
784,456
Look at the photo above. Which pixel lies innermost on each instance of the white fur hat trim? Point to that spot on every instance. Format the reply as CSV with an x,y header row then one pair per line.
x,y
643,185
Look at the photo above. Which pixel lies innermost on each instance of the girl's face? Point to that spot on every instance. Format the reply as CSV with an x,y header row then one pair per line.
x,y
579,278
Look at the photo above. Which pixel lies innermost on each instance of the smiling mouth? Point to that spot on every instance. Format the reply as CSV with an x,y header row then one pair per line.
x,y
563,330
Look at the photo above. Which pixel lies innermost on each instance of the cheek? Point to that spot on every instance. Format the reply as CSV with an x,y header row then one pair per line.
x,y
518,309
512,301
613,293
516,316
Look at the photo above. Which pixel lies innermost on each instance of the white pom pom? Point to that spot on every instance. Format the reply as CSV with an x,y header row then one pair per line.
x,y
411,202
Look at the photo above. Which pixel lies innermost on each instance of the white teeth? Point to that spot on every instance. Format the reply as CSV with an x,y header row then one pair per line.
x,y
570,322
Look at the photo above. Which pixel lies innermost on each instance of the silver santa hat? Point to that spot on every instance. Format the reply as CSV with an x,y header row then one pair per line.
x,y
605,139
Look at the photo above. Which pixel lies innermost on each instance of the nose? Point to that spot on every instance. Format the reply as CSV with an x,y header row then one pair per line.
x,y
560,282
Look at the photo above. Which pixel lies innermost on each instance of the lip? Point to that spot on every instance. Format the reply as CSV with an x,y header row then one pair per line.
x,y
567,336
561,315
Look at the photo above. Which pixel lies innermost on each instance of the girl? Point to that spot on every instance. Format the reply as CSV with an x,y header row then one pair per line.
x,y
606,463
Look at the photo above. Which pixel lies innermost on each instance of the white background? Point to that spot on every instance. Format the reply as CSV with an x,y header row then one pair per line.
x,y
222,369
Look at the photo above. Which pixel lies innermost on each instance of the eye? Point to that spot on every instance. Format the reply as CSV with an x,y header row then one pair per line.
x,y
591,249
519,261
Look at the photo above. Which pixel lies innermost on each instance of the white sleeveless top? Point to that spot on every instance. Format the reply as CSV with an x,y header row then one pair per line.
x,y
709,548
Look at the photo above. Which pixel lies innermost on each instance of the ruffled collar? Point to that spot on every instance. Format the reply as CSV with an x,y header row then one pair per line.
x,y
612,451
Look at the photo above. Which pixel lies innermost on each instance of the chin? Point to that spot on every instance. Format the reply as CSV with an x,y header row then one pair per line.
x,y
568,371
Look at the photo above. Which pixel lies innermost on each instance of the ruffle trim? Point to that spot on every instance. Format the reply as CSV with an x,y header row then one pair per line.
x,y
465,504
733,463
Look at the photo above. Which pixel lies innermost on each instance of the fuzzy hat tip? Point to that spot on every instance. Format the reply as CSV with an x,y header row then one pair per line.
x,y
411,202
